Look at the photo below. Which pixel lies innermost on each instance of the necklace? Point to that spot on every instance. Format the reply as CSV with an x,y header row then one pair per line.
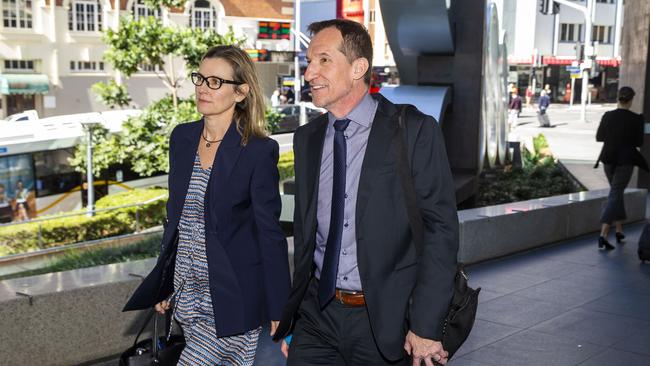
x,y
208,143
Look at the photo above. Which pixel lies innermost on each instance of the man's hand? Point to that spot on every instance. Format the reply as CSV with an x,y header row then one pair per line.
x,y
285,349
422,349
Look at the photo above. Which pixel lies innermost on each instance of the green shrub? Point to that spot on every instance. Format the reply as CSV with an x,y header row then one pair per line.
x,y
285,166
67,230
75,259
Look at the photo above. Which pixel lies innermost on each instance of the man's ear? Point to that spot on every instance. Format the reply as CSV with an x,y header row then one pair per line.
x,y
360,67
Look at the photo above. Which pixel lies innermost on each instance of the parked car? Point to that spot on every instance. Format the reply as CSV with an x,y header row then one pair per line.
x,y
291,116
28,115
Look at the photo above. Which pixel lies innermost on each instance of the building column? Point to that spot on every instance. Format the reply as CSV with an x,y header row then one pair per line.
x,y
635,71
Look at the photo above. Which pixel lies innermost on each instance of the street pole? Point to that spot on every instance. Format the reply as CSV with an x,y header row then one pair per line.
x,y
588,12
89,173
302,118
586,61
90,207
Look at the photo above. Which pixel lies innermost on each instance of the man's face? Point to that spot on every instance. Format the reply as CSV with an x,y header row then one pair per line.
x,y
329,73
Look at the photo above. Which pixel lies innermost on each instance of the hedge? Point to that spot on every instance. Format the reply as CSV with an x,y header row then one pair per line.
x,y
285,166
67,230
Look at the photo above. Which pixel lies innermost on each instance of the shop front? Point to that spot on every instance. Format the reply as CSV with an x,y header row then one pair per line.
x,y
21,92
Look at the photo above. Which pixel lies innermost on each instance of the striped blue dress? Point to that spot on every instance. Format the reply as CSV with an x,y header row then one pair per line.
x,y
193,302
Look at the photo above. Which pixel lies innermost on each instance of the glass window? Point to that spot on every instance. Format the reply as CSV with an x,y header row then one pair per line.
x,y
19,65
17,198
203,15
141,10
86,66
17,13
54,174
85,16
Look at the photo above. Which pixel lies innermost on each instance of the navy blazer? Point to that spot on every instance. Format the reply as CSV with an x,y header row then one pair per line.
x,y
246,249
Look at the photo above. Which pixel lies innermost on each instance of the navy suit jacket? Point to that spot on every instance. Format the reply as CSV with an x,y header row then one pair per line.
x,y
246,249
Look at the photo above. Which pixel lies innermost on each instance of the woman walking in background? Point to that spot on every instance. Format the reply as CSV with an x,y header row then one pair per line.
x,y
224,257
621,130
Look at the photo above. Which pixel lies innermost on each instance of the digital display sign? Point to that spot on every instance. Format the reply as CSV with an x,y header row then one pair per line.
x,y
274,30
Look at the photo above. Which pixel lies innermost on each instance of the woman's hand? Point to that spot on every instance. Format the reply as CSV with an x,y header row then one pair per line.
x,y
162,306
274,326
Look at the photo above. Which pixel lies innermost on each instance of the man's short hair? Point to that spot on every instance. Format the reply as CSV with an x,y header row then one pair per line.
x,y
356,40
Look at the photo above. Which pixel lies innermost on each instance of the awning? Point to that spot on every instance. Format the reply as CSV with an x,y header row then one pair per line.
x,y
24,84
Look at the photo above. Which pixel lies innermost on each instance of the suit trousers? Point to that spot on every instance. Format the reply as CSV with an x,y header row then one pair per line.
x,y
339,335
618,177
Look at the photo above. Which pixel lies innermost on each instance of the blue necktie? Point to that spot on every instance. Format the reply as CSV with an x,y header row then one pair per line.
x,y
327,285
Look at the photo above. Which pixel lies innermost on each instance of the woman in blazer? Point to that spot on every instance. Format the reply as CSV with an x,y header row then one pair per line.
x,y
621,130
223,259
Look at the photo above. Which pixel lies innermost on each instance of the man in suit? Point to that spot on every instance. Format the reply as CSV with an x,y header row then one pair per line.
x,y
361,293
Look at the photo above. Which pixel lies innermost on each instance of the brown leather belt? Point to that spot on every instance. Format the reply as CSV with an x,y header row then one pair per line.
x,y
350,298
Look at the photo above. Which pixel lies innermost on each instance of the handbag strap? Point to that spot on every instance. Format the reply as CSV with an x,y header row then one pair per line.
x,y
154,335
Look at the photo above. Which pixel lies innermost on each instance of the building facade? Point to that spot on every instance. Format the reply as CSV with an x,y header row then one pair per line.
x,y
543,48
51,51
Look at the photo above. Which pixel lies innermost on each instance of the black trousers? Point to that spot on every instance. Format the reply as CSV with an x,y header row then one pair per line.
x,y
618,177
339,335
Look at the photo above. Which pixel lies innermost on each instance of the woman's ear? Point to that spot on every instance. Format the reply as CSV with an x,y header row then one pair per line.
x,y
242,92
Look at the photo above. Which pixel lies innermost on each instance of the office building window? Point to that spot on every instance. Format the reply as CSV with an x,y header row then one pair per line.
x,y
85,16
17,13
570,32
149,68
203,15
141,10
86,66
602,34
19,65
371,16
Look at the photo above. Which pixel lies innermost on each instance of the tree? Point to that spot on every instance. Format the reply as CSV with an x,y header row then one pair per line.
x,y
143,142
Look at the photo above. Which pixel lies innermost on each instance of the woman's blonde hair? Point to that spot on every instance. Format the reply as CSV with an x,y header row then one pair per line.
x,y
249,113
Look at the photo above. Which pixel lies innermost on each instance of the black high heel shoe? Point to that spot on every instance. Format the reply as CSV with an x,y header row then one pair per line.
x,y
604,244
620,237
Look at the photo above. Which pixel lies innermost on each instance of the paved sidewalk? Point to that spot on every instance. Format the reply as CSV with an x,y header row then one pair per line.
x,y
569,304
570,140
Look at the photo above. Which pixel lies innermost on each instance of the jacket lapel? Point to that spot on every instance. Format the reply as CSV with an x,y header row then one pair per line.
x,y
313,155
185,154
380,141
222,167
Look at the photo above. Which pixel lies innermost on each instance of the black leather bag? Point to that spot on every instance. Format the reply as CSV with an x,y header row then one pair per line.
x,y
160,351
462,311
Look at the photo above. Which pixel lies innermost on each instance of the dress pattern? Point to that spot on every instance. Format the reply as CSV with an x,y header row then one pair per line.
x,y
192,299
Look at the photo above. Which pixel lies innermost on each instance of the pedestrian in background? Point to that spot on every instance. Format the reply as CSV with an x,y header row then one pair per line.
x,y
514,108
621,132
224,256
544,103
529,96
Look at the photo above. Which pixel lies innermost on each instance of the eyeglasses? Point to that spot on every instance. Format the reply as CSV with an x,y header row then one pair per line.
x,y
213,82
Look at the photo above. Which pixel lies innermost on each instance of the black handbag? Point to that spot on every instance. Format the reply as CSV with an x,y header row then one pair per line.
x,y
462,311
161,351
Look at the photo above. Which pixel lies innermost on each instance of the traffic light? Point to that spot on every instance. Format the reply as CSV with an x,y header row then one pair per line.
x,y
549,7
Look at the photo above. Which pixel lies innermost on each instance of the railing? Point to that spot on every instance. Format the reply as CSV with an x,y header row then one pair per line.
x,y
40,222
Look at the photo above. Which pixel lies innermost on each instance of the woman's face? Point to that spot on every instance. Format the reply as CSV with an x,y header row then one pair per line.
x,y
210,102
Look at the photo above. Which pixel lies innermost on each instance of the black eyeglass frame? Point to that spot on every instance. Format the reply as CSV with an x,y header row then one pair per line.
x,y
205,78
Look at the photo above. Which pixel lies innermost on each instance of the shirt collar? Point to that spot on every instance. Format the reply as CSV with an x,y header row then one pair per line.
x,y
361,113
